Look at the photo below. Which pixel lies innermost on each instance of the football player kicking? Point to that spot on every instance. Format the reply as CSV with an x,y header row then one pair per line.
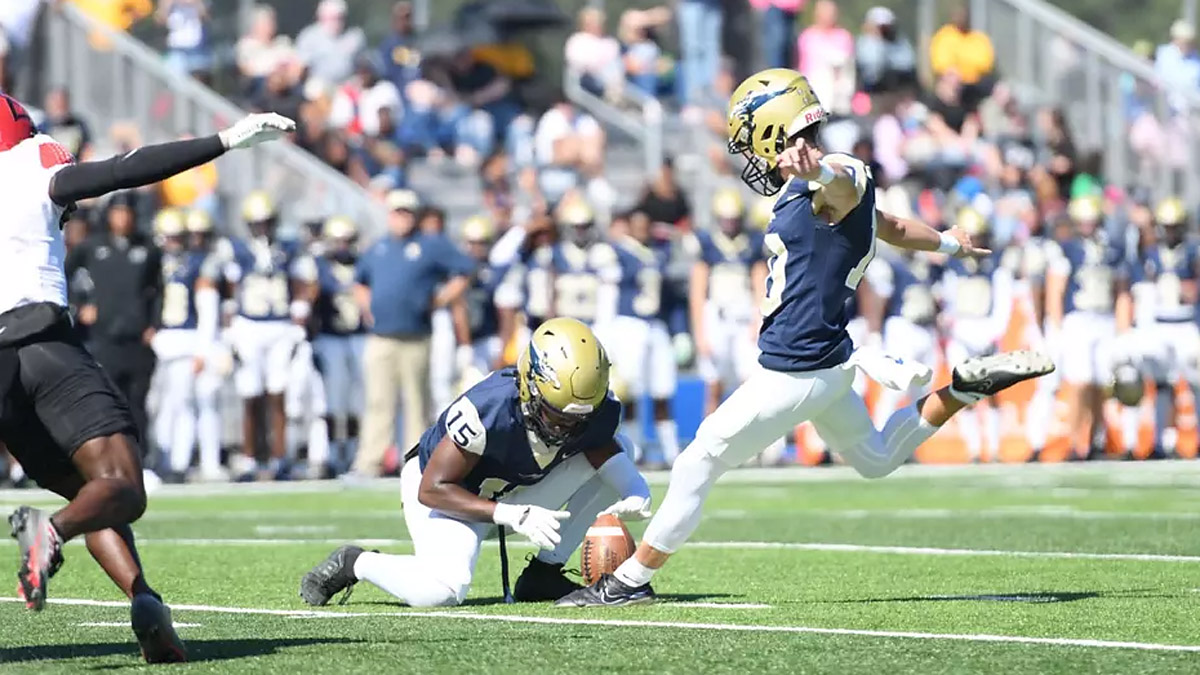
x,y
530,448
821,240
62,418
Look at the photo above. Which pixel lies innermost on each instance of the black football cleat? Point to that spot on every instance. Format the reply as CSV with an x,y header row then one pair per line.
x,y
985,376
155,632
334,575
608,592
41,554
542,581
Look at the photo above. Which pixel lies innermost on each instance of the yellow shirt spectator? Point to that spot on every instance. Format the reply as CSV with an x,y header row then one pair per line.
x,y
116,14
967,52
185,189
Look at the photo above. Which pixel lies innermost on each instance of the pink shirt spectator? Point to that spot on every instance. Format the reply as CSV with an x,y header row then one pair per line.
x,y
785,5
888,137
823,49
594,54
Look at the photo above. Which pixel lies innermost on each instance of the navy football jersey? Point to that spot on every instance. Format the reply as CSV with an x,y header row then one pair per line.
x,y
180,272
487,421
1093,268
729,261
263,273
482,319
973,285
814,269
637,274
906,284
1162,270
336,311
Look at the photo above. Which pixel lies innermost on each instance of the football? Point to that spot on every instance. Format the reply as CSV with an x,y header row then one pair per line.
x,y
606,546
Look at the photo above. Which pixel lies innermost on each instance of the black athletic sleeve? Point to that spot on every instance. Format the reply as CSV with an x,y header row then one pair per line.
x,y
143,166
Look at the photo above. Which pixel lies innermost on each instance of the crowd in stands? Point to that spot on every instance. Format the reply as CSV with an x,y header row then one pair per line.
x,y
965,149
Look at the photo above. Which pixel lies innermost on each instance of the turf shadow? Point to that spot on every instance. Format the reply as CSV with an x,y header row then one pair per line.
x,y
198,650
1034,598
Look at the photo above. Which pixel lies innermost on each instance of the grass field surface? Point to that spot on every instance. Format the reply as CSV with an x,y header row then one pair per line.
x,y
1007,569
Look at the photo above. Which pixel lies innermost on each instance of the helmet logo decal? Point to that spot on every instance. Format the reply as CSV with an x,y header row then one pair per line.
x,y
540,368
746,107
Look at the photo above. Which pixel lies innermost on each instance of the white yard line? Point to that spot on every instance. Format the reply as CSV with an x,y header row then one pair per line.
x,y
125,624
1056,511
1176,473
682,625
757,545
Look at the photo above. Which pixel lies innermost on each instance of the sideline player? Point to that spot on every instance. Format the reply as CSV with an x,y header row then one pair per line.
x,y
1088,304
728,274
271,279
978,298
189,319
340,336
1164,287
62,418
821,240
511,451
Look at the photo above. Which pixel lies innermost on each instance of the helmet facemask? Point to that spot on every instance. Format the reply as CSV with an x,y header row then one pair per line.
x,y
758,173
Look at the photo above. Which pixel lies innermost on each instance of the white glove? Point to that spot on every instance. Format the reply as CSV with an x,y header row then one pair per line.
x,y
464,357
630,508
255,129
537,524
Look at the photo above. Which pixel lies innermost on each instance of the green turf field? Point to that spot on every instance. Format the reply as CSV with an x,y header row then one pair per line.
x,y
1061,569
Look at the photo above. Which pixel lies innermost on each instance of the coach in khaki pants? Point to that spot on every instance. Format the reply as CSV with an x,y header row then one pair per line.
x,y
397,288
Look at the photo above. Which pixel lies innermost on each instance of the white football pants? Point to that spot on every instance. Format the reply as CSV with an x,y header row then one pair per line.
x,y
766,407
445,549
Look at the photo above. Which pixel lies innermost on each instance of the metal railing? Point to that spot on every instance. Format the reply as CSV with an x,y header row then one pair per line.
x,y
1115,102
114,78
645,126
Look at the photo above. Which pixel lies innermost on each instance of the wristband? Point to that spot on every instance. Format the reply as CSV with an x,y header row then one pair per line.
x,y
826,176
948,244
300,309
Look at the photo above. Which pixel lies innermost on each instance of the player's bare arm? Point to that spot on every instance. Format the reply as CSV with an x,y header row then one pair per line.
x,y
697,296
441,484
451,292
915,235
154,163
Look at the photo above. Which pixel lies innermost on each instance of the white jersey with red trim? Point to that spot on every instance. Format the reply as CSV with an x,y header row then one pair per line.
x,y
32,252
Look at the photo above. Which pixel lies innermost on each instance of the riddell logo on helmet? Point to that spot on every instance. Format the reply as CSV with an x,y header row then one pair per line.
x,y
814,115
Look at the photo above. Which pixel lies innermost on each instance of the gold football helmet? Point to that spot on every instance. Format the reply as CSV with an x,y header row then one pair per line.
x,y
767,110
169,223
972,222
1085,209
562,379
1170,212
478,229
339,227
199,222
258,207
727,204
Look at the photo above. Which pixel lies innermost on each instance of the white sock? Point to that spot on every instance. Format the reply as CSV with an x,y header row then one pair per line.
x,y
183,439
633,573
966,397
318,442
1130,416
408,578
208,436
668,439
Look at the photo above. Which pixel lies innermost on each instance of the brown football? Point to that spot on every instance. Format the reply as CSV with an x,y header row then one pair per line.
x,y
605,547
